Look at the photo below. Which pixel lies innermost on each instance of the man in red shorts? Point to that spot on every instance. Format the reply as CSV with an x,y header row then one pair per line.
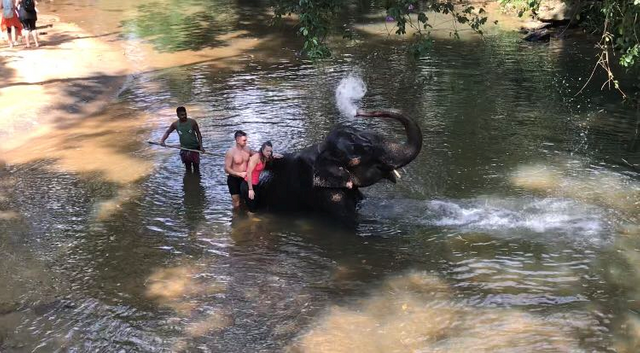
x,y
190,138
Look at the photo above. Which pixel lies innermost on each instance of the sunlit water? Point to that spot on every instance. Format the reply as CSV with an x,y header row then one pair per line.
x,y
514,230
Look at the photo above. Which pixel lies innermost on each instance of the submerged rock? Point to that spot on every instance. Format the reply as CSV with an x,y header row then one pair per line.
x,y
8,307
533,25
541,35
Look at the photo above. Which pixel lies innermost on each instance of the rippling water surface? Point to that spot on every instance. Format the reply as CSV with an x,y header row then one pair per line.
x,y
515,229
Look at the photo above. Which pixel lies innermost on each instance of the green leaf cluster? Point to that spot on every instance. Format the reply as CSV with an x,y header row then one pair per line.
x,y
618,21
622,19
314,17
317,17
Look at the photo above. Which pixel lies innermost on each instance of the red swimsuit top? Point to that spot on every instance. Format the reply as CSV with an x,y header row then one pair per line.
x,y
255,175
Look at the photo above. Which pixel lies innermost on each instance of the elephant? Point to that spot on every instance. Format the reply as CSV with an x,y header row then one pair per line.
x,y
326,177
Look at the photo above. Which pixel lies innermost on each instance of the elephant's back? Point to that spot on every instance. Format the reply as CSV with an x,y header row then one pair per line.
x,y
287,183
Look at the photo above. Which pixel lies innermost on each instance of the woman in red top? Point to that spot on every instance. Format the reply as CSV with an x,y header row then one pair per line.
x,y
257,163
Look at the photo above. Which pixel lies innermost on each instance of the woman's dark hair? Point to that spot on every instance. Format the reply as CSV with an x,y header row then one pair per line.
x,y
265,145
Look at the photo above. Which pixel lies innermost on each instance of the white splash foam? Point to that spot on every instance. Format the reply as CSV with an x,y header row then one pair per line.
x,y
537,215
538,218
350,90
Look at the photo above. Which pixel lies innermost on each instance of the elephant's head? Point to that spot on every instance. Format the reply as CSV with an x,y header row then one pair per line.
x,y
364,158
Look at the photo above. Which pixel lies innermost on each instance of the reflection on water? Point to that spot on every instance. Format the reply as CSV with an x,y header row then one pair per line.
x,y
195,201
417,312
111,207
180,25
595,185
173,287
103,144
496,238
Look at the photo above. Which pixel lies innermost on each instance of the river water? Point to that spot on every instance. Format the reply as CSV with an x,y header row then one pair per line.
x,y
515,229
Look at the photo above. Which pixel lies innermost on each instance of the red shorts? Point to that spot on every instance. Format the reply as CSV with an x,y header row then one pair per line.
x,y
190,157
11,22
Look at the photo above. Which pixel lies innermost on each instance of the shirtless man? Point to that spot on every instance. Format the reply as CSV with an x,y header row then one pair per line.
x,y
235,164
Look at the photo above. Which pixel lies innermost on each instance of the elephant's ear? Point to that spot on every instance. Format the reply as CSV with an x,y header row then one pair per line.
x,y
328,171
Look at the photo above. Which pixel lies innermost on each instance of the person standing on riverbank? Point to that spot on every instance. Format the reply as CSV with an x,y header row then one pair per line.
x,y
10,21
190,137
28,17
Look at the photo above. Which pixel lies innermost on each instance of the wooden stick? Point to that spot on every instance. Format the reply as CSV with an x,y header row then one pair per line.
x,y
179,147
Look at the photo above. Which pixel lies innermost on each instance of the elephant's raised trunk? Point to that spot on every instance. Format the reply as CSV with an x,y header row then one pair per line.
x,y
399,155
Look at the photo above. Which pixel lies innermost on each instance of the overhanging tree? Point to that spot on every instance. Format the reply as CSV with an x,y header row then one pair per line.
x,y
316,18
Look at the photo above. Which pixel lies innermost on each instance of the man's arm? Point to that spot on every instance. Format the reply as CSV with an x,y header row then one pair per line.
x,y
166,134
228,164
199,135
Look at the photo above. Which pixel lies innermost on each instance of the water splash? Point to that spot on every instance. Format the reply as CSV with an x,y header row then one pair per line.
x,y
549,218
538,215
350,90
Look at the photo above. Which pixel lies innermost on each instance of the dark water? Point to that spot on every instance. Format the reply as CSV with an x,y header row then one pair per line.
x,y
515,229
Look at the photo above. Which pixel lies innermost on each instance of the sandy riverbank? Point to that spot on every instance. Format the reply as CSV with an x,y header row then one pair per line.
x,y
63,78
58,99
46,92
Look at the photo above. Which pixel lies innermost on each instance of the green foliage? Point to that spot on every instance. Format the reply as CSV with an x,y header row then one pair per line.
x,y
404,12
630,56
317,17
420,46
621,26
616,21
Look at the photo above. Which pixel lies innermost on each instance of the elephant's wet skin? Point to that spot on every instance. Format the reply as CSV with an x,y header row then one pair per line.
x,y
326,177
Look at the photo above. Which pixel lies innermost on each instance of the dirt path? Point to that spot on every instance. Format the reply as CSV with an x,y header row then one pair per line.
x,y
65,77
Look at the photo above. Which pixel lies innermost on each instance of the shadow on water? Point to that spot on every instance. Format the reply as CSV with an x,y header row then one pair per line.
x,y
195,201
195,25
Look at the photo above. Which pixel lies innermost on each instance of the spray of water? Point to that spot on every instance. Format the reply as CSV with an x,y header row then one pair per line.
x,y
350,90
